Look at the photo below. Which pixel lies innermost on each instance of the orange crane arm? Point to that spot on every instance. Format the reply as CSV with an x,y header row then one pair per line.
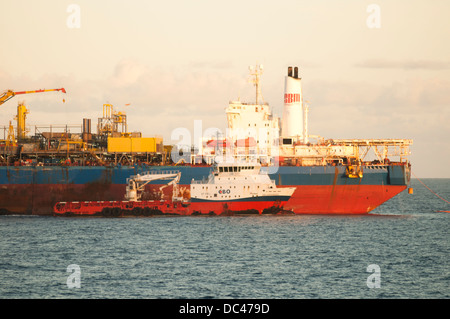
x,y
40,91
10,94
6,96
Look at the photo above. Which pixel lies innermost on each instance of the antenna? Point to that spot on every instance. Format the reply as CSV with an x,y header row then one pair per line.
x,y
256,72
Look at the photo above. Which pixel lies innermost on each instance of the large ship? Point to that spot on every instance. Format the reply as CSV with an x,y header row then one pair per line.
x,y
326,176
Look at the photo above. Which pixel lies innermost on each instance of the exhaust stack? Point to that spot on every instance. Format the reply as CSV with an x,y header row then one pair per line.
x,y
292,124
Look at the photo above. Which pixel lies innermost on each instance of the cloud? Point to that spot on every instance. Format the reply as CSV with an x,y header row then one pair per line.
x,y
212,65
161,99
400,109
412,95
415,96
127,72
405,65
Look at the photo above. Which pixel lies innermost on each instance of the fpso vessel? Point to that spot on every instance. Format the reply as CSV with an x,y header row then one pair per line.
x,y
326,176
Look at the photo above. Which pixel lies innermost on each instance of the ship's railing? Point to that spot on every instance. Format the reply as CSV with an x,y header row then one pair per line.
x,y
247,103
383,142
159,172
203,181
153,175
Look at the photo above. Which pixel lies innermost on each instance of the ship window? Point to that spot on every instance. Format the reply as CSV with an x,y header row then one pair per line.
x,y
221,169
215,195
235,169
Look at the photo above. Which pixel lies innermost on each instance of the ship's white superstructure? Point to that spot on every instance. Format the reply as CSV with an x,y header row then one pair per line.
x,y
252,128
254,133
241,182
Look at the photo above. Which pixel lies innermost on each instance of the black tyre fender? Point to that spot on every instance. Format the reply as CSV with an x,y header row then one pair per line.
x,y
116,211
147,211
137,211
106,212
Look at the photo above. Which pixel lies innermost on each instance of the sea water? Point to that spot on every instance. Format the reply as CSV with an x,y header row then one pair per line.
x,y
401,250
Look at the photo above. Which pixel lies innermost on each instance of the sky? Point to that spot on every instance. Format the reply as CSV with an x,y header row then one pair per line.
x,y
370,69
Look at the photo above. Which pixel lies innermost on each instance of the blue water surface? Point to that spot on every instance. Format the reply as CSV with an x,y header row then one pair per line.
x,y
271,257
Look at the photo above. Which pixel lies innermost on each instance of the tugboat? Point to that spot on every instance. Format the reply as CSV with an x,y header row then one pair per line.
x,y
238,189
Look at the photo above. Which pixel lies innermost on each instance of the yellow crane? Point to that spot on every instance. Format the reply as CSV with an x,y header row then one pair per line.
x,y
21,108
7,95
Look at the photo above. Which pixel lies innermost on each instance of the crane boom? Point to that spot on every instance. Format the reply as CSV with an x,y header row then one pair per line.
x,y
7,95
136,183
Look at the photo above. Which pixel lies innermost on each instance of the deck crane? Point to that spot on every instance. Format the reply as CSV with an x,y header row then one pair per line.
x,y
21,108
136,183
7,95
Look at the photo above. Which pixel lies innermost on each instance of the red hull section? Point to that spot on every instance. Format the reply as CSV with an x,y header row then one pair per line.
x,y
155,208
340,199
231,208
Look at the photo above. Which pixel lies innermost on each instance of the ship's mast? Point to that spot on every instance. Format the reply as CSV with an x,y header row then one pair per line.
x,y
256,72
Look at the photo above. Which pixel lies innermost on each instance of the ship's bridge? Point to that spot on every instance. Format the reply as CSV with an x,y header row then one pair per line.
x,y
237,168
236,173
